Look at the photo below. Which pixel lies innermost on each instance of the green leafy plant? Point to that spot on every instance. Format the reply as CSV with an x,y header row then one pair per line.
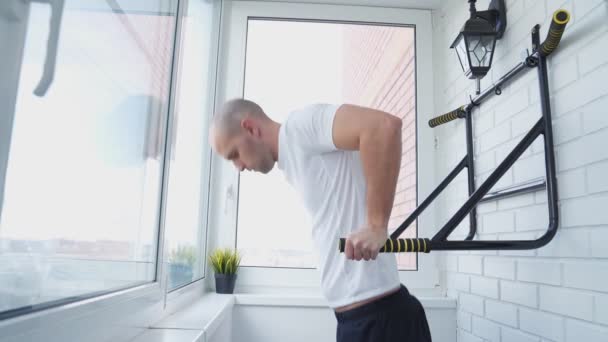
x,y
225,260
185,255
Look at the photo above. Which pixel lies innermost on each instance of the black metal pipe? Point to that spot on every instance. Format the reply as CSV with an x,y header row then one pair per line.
x,y
543,126
408,221
470,173
491,181
491,90
488,245
549,150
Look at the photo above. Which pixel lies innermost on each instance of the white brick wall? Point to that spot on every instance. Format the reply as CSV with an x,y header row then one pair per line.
x,y
513,335
500,268
558,292
470,264
484,286
471,304
486,329
519,293
501,312
543,324
566,302
543,271
601,309
581,331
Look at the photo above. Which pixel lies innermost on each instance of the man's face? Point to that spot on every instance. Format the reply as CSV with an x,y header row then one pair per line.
x,y
246,150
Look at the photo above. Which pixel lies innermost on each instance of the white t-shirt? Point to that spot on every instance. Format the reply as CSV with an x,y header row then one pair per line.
x,y
332,186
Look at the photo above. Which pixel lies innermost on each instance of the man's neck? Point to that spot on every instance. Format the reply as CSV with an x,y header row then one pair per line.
x,y
273,139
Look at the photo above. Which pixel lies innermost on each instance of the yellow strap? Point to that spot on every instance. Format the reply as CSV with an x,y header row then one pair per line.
x,y
399,245
391,240
418,240
424,245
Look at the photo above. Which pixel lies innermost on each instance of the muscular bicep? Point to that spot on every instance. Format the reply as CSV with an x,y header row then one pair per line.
x,y
351,122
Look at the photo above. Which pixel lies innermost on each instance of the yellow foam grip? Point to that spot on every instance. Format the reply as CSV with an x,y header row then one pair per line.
x,y
440,120
402,245
556,30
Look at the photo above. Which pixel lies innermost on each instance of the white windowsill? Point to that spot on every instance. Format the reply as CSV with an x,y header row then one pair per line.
x,y
203,316
171,335
204,313
193,322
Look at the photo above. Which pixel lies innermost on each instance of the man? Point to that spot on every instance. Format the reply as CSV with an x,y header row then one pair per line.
x,y
344,161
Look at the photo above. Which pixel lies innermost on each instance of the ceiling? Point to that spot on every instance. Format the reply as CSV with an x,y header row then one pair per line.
x,y
420,4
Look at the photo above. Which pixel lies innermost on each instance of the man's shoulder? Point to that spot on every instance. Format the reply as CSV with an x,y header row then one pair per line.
x,y
309,128
313,107
306,112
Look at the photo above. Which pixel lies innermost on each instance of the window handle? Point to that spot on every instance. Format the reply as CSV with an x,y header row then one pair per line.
x,y
51,49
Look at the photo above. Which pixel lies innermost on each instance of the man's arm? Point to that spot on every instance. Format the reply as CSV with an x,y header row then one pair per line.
x,y
377,136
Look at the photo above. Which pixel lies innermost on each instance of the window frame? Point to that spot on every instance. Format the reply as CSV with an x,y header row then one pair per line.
x,y
127,312
226,178
198,284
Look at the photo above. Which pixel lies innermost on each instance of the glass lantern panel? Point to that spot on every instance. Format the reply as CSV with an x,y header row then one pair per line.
x,y
476,50
488,45
461,51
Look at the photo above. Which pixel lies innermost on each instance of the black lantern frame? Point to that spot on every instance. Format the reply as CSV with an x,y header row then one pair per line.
x,y
476,40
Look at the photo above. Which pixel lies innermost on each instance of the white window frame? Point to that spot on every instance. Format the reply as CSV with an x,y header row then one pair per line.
x,y
226,178
124,314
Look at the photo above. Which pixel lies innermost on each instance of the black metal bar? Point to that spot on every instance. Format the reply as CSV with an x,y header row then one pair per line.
x,y
471,174
491,90
542,126
491,181
486,245
549,151
515,190
461,165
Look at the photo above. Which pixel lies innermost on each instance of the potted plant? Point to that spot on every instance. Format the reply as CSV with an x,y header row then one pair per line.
x,y
225,263
181,265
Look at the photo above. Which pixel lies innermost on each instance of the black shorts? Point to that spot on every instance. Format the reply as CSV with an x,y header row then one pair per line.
x,y
398,317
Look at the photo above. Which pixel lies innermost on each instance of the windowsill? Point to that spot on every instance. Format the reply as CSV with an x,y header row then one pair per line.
x,y
171,335
206,314
193,322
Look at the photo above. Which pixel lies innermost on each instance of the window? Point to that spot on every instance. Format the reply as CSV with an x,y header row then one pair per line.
x,y
307,62
186,220
83,184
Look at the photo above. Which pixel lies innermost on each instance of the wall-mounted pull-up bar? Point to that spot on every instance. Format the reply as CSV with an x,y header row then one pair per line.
x,y
543,126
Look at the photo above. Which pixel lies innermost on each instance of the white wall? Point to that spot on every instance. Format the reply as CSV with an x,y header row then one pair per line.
x,y
222,333
558,292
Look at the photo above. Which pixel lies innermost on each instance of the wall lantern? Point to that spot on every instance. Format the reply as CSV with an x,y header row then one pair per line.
x,y
476,40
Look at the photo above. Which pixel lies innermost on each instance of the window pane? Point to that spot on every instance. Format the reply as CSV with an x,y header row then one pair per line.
x,y
292,64
81,203
189,169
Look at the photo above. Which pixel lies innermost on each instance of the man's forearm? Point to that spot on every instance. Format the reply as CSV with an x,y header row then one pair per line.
x,y
380,149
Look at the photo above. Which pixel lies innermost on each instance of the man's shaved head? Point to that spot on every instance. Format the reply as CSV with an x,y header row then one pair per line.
x,y
227,121
242,133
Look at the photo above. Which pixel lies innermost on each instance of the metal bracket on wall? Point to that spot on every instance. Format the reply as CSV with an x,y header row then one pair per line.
x,y
476,195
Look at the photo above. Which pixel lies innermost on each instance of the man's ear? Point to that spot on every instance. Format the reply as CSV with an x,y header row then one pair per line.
x,y
249,125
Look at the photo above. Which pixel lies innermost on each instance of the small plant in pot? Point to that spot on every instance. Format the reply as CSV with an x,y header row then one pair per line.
x,y
225,263
181,264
